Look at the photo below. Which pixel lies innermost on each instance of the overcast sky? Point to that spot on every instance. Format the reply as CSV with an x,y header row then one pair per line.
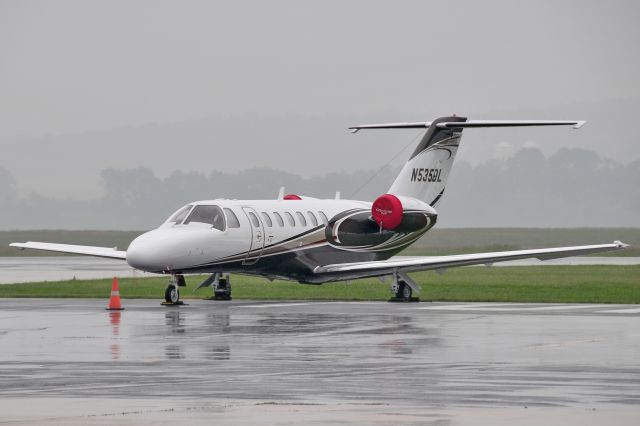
x,y
68,67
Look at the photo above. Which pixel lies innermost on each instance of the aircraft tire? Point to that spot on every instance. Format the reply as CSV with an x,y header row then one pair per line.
x,y
172,294
222,295
404,292
223,291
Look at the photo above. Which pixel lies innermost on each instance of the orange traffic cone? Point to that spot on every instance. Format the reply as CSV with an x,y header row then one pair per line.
x,y
114,301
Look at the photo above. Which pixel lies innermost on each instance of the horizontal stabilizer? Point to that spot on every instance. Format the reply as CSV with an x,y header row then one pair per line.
x,y
471,123
417,125
513,123
107,252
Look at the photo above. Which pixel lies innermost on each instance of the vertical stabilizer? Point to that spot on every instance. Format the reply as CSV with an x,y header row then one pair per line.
x,y
425,174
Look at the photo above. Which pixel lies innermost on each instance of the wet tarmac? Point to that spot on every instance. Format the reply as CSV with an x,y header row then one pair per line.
x,y
66,361
56,268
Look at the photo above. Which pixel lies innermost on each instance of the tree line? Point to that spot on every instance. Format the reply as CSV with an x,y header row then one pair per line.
x,y
571,188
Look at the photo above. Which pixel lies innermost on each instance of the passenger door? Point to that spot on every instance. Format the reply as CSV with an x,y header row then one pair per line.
x,y
257,236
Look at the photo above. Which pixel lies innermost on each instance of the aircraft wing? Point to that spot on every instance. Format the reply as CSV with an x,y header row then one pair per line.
x,y
107,252
386,267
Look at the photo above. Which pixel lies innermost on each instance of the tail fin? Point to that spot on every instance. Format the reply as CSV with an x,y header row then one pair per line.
x,y
425,175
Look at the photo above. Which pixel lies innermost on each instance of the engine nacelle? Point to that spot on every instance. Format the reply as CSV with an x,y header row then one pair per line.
x,y
389,210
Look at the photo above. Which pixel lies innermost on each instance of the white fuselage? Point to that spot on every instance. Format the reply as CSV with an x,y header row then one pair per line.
x,y
288,239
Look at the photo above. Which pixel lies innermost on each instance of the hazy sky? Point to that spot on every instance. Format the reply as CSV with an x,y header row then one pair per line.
x,y
69,66
79,66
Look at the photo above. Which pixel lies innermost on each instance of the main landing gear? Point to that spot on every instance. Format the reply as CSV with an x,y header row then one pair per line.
x,y
220,284
222,287
403,288
172,292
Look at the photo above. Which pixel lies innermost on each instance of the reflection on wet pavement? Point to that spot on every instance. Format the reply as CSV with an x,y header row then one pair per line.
x,y
55,268
321,352
114,319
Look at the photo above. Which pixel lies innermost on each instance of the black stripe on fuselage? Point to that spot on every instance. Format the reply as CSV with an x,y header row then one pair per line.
x,y
243,255
295,264
298,263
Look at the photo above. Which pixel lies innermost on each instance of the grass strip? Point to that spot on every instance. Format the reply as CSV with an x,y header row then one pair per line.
x,y
559,284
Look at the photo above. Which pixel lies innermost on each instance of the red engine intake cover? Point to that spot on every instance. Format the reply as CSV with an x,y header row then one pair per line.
x,y
387,211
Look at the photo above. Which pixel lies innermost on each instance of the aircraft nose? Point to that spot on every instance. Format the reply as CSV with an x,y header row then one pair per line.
x,y
163,250
143,253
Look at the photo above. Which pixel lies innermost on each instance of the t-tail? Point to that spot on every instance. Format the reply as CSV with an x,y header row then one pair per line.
x,y
425,174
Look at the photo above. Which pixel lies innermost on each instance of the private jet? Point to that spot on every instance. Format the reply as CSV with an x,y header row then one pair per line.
x,y
314,241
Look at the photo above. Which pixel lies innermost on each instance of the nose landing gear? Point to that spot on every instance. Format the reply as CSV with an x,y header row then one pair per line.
x,y
172,292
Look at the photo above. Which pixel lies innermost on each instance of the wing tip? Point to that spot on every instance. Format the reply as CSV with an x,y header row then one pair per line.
x,y
621,245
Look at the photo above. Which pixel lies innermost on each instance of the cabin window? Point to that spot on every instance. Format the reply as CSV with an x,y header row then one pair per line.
x,y
211,215
232,219
267,219
179,216
312,218
278,218
303,221
290,219
254,219
324,218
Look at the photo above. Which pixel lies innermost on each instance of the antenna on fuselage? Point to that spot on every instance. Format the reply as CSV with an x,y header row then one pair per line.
x,y
281,193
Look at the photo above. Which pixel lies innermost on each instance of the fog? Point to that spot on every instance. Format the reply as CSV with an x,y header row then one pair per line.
x,y
96,96
571,188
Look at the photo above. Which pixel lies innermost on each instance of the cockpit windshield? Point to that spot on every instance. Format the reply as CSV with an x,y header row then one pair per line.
x,y
179,216
211,215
